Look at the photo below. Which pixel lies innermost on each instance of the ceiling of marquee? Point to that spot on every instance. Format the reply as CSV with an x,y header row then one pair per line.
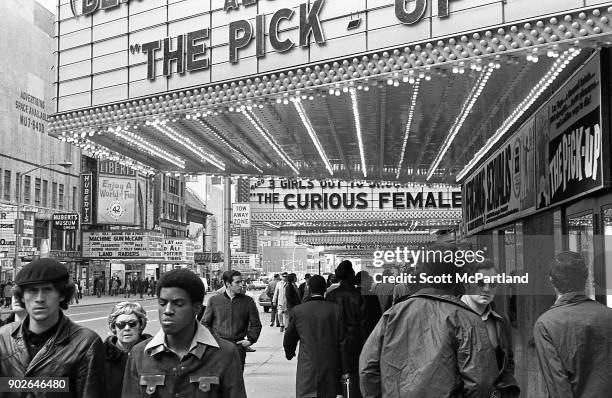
x,y
272,139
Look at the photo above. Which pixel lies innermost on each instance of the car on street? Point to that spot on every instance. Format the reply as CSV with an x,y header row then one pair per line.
x,y
256,285
265,301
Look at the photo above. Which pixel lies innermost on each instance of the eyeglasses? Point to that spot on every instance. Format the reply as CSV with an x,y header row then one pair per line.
x,y
482,284
131,324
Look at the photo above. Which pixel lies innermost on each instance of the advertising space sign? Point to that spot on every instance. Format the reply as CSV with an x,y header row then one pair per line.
x,y
503,187
569,162
116,200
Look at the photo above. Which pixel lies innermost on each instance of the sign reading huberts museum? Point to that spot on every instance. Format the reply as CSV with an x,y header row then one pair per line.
x,y
123,244
116,200
65,221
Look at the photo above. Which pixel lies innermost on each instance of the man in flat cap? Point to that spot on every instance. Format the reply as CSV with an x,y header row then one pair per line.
x,y
47,343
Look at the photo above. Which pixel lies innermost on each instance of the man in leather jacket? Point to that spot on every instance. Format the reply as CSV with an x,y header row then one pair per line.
x,y
47,343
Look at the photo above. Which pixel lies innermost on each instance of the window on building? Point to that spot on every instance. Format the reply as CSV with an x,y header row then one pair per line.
x,y
182,189
74,198
173,186
61,196
163,207
57,239
45,193
7,185
71,240
37,191
54,195
17,185
172,211
40,232
181,214
27,186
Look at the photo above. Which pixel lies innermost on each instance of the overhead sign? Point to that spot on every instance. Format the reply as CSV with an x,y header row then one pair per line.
x,y
201,258
503,187
178,250
86,198
65,221
116,200
111,167
276,194
217,41
123,244
570,159
241,215
243,261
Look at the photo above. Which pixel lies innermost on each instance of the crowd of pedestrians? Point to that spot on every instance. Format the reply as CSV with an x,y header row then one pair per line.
x,y
442,339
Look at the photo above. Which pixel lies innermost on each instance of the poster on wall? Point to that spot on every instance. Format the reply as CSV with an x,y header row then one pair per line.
x,y
569,160
116,200
503,187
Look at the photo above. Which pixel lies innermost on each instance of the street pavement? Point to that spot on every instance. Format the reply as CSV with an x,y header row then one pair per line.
x,y
267,374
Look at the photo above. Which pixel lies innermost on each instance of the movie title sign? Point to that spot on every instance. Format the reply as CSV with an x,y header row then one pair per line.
x,y
123,244
333,195
503,187
178,251
571,156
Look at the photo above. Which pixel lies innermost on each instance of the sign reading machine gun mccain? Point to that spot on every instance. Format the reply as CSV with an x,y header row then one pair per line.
x,y
333,195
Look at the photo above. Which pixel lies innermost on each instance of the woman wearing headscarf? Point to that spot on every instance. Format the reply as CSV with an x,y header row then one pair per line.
x,y
126,322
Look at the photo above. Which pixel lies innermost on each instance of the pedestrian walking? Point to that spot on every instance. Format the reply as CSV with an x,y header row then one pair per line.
x,y
430,345
139,286
146,286
99,287
479,297
75,297
183,359
47,343
80,289
349,300
318,326
270,293
128,288
574,337
8,294
126,322
279,300
370,307
18,313
292,295
304,289
114,286
233,316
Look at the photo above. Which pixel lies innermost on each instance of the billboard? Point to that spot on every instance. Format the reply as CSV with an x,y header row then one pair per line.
x,y
179,250
86,198
502,188
116,200
570,158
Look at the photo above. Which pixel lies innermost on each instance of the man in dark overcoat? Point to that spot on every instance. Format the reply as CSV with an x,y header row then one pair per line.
x,y
317,324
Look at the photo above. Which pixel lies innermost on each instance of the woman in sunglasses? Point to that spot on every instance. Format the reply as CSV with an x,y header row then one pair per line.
x,y
126,321
479,297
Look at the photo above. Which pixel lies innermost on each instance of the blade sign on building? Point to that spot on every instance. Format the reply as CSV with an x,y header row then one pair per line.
x,y
86,203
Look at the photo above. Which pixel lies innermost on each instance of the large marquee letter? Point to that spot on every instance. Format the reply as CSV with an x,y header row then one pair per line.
x,y
277,44
230,4
90,6
410,17
149,49
195,50
176,55
310,23
235,42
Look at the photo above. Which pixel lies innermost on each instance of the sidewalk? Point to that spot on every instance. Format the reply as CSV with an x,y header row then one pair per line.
x,y
95,300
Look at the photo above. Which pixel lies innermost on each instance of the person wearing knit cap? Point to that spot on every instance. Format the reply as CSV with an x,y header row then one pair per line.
x,y
47,343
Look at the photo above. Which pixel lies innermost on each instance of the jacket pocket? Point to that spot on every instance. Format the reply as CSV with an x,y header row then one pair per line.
x,y
205,386
149,384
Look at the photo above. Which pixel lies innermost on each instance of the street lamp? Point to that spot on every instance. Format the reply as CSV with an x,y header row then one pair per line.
x,y
18,224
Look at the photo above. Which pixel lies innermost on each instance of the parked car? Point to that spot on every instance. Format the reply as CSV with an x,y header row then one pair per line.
x,y
265,301
256,285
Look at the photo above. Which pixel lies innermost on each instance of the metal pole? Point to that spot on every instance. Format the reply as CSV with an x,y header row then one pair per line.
x,y
227,217
17,259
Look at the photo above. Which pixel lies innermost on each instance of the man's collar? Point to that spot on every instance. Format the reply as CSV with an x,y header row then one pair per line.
x,y
489,311
570,298
201,339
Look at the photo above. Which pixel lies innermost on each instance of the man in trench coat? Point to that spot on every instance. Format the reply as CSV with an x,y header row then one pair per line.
x,y
317,324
